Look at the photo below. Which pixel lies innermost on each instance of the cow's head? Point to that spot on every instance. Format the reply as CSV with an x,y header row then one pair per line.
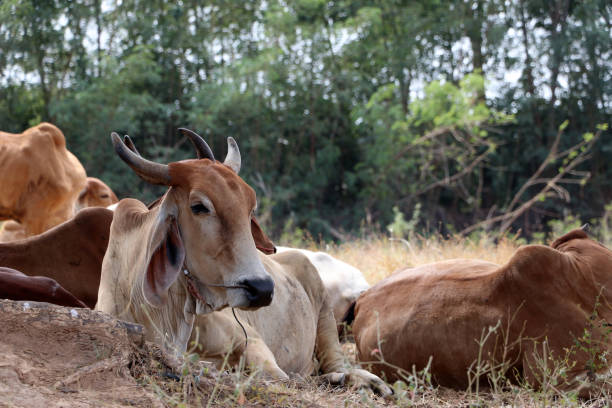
x,y
204,231
95,194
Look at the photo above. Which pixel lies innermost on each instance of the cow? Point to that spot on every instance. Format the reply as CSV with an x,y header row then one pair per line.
x,y
200,257
203,224
542,306
343,282
283,338
95,194
41,178
15,285
70,253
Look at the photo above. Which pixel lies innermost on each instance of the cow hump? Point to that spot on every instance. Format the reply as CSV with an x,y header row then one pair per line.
x,y
574,234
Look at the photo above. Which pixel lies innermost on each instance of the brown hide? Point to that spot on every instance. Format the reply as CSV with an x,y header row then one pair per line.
x,y
41,179
96,194
262,242
15,285
441,309
70,253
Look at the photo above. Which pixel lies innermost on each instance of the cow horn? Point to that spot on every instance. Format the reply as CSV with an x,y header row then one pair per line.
x,y
201,147
232,160
128,142
149,171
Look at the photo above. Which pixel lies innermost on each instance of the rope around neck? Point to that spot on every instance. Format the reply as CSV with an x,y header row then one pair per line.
x,y
192,289
246,338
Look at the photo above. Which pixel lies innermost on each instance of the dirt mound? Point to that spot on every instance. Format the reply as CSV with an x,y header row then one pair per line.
x,y
54,356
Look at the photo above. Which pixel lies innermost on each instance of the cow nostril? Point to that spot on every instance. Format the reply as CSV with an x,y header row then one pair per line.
x,y
259,291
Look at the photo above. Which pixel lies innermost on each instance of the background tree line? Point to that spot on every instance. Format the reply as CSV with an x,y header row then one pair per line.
x,y
349,114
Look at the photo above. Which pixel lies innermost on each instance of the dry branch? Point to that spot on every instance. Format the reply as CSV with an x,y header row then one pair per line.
x,y
512,213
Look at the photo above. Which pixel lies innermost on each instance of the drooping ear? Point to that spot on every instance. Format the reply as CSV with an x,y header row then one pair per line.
x,y
262,242
164,266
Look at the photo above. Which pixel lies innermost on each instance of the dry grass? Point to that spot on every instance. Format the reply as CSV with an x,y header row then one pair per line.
x,y
377,258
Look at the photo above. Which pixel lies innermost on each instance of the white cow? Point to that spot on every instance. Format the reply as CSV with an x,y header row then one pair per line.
x,y
343,282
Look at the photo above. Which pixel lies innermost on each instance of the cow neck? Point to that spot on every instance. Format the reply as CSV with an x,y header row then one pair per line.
x,y
191,280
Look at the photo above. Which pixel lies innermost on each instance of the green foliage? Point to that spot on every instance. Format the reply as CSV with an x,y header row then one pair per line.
x,y
400,228
342,110
559,227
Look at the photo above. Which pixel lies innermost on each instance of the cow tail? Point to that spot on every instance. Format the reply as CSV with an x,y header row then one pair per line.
x,y
344,325
349,316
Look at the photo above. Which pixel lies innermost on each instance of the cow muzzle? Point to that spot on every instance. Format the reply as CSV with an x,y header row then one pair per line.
x,y
259,291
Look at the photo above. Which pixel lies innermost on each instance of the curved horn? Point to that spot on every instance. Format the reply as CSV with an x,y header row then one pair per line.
x,y
149,171
130,145
232,160
199,144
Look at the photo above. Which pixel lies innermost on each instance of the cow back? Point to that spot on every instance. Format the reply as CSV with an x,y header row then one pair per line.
x,y
70,253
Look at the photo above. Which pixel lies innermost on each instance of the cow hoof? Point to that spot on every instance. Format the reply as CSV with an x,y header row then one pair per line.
x,y
337,379
362,378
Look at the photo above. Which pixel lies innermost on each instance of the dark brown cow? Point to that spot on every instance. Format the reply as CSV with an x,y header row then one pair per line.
x,y
544,299
15,285
70,253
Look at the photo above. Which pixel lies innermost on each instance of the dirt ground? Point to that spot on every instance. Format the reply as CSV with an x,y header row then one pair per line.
x,y
53,356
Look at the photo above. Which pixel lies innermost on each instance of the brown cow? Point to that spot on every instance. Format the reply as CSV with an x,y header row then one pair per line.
x,y
15,285
95,194
41,179
70,253
203,224
199,257
542,301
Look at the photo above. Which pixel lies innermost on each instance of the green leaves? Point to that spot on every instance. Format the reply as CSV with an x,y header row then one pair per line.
x,y
343,110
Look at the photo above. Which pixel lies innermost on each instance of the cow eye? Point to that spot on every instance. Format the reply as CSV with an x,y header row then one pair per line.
x,y
104,196
199,209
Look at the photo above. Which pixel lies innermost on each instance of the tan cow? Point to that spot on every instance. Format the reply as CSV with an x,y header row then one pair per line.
x,y
541,301
95,194
343,282
202,223
285,337
41,179
221,246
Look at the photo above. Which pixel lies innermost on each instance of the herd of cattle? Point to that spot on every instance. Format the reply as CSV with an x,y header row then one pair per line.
x,y
195,269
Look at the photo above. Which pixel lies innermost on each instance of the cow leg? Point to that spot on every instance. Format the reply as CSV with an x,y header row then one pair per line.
x,y
257,354
331,360
218,338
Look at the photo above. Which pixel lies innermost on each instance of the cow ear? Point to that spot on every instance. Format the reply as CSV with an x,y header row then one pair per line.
x,y
262,242
164,266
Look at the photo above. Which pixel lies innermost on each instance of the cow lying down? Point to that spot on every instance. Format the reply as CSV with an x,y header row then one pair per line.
x,y
546,302
70,253
284,337
15,285
343,282
193,253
